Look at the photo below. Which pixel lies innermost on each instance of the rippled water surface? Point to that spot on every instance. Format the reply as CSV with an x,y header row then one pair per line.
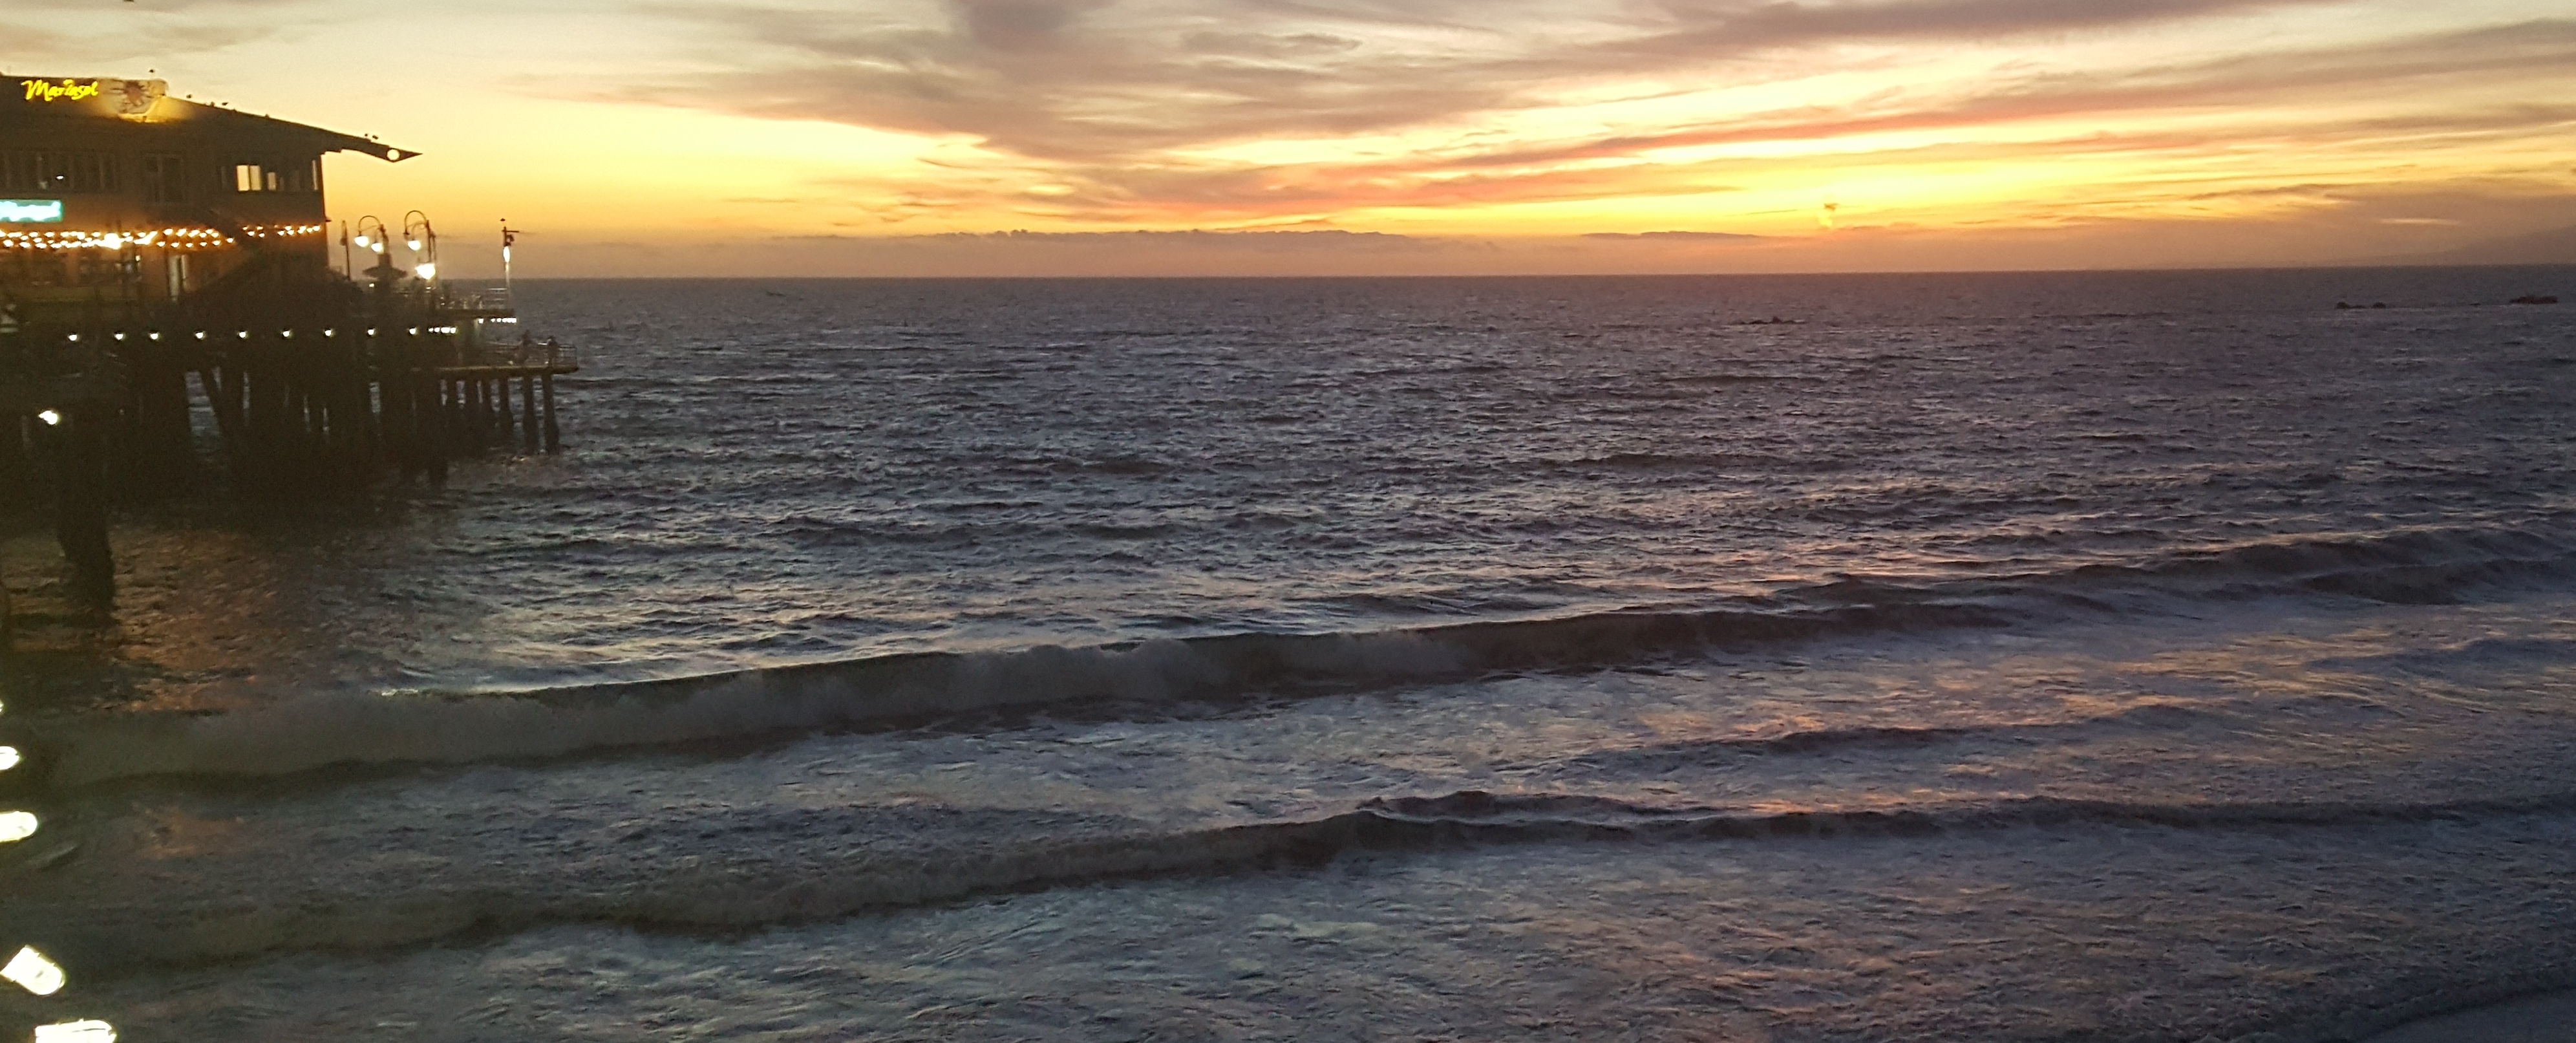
x,y
2135,656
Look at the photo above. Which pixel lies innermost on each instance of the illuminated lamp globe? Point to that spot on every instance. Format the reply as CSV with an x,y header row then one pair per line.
x,y
33,972
76,1032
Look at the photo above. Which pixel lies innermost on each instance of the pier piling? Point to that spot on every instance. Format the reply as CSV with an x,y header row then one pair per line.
x,y
313,399
528,415
80,507
554,434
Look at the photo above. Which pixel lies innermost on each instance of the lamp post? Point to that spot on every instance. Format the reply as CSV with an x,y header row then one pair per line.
x,y
423,241
374,242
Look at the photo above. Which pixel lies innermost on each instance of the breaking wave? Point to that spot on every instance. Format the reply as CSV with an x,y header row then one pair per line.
x,y
837,885
2410,566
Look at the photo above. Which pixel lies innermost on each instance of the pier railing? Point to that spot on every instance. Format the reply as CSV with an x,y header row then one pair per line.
x,y
523,358
491,300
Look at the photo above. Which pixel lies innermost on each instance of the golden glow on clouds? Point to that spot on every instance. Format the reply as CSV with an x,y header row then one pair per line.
x,y
809,137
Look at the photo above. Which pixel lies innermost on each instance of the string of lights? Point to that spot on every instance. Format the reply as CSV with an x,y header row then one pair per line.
x,y
525,357
326,333
281,231
165,238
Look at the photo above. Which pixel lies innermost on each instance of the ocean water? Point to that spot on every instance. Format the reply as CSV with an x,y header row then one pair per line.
x,y
2147,656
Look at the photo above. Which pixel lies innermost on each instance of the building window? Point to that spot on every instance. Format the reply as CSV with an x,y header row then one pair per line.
x,y
58,173
95,270
162,179
34,267
277,177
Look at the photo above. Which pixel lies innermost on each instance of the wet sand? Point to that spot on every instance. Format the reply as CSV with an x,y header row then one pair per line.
x,y
2545,1018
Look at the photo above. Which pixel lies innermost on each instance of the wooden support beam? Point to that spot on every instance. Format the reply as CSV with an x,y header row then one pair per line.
x,y
164,441
528,418
554,434
12,438
437,447
402,415
80,508
502,426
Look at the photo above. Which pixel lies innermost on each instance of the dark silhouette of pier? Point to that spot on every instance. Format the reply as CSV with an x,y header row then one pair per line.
x,y
168,295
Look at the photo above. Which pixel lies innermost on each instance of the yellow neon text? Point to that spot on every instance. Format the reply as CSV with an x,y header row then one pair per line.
x,y
39,90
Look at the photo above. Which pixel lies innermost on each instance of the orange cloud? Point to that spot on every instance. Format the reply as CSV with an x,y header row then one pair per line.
x,y
1823,133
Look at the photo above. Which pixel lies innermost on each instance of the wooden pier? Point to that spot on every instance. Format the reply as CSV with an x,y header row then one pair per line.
x,y
170,292
328,403
348,389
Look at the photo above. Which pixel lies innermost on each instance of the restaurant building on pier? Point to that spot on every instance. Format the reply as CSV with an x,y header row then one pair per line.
x,y
167,290
115,195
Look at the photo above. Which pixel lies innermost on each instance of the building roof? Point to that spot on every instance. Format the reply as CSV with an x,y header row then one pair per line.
x,y
28,100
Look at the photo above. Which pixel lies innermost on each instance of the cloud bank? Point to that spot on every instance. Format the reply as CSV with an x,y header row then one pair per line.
x,y
1163,112
1169,136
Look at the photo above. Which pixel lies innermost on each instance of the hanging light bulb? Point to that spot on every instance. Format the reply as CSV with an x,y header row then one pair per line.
x,y
9,757
50,417
17,825
76,1032
364,243
427,269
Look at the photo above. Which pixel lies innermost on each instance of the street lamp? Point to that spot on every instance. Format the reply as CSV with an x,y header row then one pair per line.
x,y
372,238
423,241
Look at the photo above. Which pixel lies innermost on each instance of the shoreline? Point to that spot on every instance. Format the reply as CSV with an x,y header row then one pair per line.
x,y
2541,1017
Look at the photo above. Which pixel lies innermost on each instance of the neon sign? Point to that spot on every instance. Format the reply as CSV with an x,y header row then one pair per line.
x,y
68,90
31,211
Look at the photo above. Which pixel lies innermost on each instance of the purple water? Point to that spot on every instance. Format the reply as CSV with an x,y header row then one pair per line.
x,y
2130,655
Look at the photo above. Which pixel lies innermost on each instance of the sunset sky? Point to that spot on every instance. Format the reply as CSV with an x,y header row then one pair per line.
x,y
679,137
